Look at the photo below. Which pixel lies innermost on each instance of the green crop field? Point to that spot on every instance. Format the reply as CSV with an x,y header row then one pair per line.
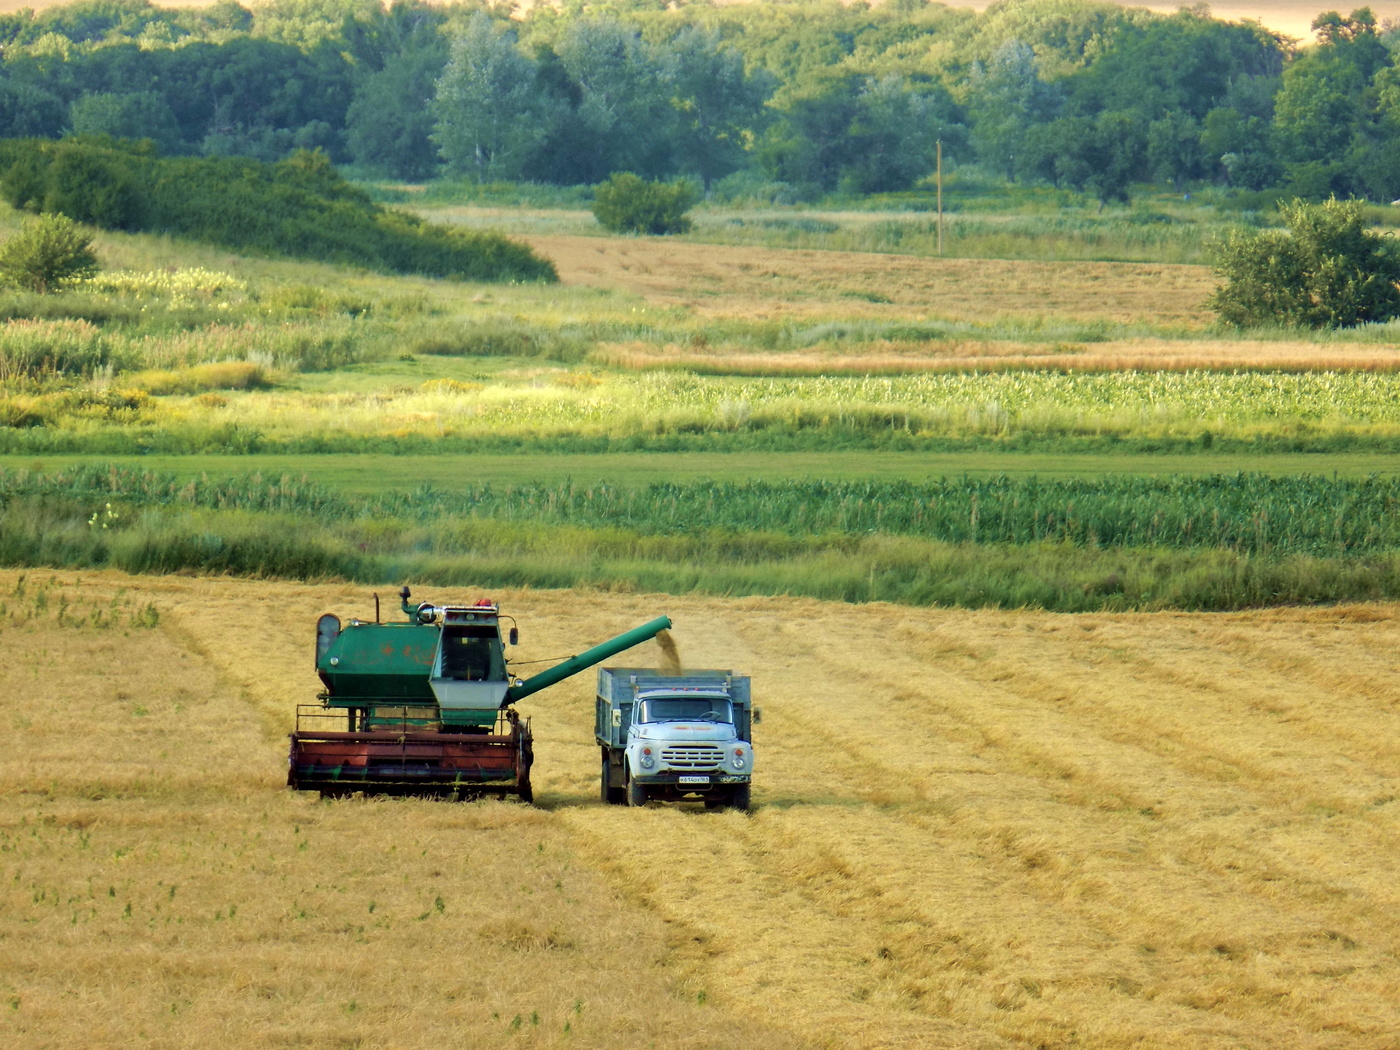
x,y
677,416
366,473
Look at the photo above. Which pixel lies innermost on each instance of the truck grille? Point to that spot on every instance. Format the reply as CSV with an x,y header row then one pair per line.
x,y
692,756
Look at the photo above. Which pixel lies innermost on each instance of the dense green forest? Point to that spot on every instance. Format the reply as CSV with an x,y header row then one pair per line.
x,y
782,100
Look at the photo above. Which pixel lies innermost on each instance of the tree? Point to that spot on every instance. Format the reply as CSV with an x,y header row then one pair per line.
x,y
895,134
1006,97
717,102
1332,28
810,146
861,134
629,204
624,110
133,115
1326,271
27,110
389,125
487,111
1174,148
1187,62
1119,155
48,251
375,38
1323,104
1317,110
97,186
1102,156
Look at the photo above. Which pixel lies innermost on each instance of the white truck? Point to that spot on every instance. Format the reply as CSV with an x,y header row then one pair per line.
x,y
675,736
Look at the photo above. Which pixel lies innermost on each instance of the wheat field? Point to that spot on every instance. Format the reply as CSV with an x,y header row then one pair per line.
x,y
972,829
712,280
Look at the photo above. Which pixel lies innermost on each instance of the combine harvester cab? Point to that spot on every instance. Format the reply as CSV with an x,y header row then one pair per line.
x,y
423,706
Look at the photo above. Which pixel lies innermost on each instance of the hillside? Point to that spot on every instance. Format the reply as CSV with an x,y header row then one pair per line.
x,y
972,829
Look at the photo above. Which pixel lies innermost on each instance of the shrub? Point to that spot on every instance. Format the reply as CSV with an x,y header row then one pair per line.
x,y
48,251
213,375
1326,271
627,203
299,207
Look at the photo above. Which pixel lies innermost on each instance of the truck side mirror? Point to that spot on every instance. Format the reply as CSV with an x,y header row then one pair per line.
x,y
757,715
515,636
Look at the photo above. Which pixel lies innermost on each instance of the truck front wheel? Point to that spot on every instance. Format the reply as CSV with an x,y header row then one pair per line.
x,y
636,793
740,797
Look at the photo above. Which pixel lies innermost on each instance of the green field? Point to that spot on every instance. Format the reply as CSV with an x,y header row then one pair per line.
x,y
717,414
368,473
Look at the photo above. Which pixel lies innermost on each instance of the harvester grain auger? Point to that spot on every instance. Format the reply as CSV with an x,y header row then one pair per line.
x,y
423,706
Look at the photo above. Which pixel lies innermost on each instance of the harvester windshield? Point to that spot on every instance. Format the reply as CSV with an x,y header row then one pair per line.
x,y
466,653
685,709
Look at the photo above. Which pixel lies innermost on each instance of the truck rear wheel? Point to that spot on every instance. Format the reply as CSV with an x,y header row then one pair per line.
x,y
636,793
611,795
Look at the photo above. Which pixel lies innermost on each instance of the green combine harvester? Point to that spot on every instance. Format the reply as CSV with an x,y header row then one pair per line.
x,y
424,706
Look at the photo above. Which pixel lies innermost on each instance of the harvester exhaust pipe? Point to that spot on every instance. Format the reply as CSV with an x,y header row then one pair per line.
x,y
586,659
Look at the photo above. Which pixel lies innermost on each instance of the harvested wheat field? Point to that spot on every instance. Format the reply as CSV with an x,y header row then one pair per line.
x,y
728,281
971,829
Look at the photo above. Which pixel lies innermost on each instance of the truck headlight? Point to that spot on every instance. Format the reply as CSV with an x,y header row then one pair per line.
x,y
647,758
739,758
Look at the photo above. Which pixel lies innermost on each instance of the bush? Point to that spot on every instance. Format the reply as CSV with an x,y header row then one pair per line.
x,y
48,252
627,203
298,207
1327,271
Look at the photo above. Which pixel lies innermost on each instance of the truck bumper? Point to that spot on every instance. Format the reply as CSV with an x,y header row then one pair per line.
x,y
669,786
675,778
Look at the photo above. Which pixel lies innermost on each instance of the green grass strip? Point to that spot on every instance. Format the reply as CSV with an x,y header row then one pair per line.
x,y
1215,542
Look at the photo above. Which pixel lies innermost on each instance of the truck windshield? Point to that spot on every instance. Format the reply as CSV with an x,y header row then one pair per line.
x,y
686,709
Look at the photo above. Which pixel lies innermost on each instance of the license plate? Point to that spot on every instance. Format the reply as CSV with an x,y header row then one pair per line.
x,y
694,780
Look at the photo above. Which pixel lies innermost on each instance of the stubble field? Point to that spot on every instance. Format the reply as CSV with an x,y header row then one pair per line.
x,y
972,829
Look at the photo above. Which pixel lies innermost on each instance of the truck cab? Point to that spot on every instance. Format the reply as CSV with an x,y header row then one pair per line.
x,y
675,737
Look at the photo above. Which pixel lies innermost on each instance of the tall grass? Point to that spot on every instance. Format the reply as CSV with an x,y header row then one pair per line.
x,y
1213,542
34,349
1245,513
585,411
1138,236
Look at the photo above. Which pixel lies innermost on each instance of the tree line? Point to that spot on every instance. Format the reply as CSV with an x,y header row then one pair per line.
x,y
788,98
